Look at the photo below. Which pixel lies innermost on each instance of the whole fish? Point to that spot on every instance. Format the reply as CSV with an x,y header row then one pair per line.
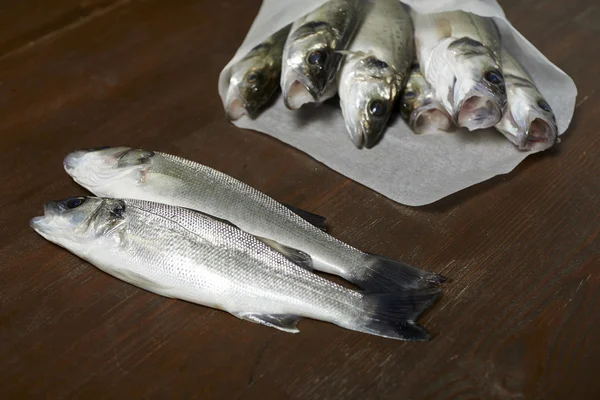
x,y
459,54
528,122
183,254
375,69
255,78
420,108
310,56
153,176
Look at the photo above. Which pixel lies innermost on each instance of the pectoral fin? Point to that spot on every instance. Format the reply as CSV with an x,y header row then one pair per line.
x,y
283,322
143,282
313,219
296,256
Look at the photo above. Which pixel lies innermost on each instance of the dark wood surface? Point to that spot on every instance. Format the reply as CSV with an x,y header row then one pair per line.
x,y
520,318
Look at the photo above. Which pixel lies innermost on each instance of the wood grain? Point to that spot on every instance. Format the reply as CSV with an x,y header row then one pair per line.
x,y
519,319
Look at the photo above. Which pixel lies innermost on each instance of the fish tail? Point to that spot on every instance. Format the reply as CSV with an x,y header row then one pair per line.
x,y
385,275
393,315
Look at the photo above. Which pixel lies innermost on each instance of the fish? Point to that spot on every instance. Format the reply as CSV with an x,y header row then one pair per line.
x,y
124,172
529,122
420,108
459,55
184,254
374,70
310,56
255,78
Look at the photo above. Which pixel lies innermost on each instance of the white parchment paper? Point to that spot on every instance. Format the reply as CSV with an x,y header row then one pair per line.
x,y
410,169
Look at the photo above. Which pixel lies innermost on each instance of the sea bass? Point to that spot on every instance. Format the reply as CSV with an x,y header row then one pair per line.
x,y
528,122
420,108
310,56
459,54
146,175
375,69
255,78
183,254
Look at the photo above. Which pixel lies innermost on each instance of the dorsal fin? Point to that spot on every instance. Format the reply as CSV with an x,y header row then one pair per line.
x,y
296,256
314,219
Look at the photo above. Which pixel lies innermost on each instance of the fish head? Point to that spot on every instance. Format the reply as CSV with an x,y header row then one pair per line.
x,y
420,108
370,90
101,169
252,85
77,221
309,64
529,121
479,92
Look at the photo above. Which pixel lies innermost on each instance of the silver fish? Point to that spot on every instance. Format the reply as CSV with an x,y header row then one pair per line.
x,y
183,254
375,69
255,78
310,57
421,109
459,54
528,122
153,176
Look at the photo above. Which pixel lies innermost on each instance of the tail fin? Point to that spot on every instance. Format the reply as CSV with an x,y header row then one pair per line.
x,y
384,275
393,315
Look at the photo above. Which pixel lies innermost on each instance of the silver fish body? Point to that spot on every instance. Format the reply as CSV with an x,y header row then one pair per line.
x,y
459,55
183,254
528,122
255,78
310,56
375,69
420,107
153,176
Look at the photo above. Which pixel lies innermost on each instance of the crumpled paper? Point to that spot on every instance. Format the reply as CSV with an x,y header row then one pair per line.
x,y
411,169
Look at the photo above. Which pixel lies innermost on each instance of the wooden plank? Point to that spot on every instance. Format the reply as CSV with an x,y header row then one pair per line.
x,y
26,22
518,319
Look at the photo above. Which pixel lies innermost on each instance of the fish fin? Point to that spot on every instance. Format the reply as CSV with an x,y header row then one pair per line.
x,y
226,222
143,282
393,315
296,256
386,275
314,219
283,322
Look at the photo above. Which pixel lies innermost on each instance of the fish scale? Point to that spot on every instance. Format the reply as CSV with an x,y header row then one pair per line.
x,y
375,68
184,254
169,179
458,55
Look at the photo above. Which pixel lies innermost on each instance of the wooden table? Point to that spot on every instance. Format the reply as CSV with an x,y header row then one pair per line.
x,y
520,318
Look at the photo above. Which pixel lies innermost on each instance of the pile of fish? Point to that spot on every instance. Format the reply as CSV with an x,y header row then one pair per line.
x,y
186,231
442,71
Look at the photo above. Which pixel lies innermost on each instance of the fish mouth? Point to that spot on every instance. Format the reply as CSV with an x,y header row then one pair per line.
x,y
72,160
363,135
430,118
37,223
236,108
40,223
478,112
541,135
298,94
357,135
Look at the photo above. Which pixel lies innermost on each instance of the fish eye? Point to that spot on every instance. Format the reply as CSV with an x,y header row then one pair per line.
x,y
543,104
316,57
75,202
494,77
381,64
410,94
377,108
252,77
